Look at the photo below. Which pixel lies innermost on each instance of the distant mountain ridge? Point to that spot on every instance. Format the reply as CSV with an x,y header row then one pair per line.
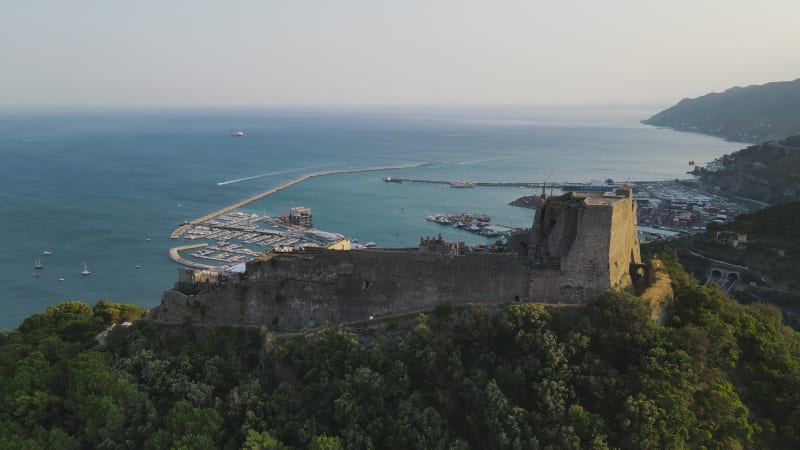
x,y
746,114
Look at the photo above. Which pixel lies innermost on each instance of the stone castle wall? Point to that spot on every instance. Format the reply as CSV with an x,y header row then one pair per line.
x,y
584,270
624,243
294,291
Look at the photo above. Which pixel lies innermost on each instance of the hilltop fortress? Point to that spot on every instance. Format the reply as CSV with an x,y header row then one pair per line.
x,y
580,245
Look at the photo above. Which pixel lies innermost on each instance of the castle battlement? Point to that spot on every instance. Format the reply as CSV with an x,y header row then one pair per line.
x,y
581,243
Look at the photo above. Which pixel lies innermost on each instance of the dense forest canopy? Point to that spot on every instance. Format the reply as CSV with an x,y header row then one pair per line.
x,y
719,375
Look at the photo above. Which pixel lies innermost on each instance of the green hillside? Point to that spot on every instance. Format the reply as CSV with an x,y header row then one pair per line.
x,y
746,114
768,172
720,375
773,243
778,224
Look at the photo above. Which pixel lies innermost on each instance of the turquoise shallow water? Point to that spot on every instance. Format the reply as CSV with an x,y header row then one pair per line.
x,y
95,187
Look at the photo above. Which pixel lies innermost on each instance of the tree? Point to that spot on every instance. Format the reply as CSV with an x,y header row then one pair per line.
x,y
261,441
325,443
186,423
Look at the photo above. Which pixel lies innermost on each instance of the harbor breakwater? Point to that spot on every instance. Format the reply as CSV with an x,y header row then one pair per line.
x,y
462,184
174,252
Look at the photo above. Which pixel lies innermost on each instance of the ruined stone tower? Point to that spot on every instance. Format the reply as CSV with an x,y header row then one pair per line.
x,y
582,243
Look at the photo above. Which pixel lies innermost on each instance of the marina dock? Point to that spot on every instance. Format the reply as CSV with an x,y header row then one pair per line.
x,y
228,224
180,230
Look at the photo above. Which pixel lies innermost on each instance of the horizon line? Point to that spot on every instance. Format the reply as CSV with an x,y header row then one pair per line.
x,y
307,106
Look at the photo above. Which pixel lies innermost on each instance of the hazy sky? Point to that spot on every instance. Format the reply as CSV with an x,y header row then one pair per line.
x,y
263,52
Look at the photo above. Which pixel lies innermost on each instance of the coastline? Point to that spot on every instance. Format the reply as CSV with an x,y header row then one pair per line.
x,y
704,132
140,174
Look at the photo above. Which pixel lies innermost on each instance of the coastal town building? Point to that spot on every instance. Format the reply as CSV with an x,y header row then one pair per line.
x,y
732,238
299,216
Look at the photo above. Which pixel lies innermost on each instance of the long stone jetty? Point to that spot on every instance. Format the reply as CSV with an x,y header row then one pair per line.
x,y
180,230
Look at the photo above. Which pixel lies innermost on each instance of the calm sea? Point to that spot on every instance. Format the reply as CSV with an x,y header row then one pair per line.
x,y
107,188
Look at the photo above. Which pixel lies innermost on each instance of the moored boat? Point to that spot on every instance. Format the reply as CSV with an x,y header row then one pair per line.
x,y
461,184
443,220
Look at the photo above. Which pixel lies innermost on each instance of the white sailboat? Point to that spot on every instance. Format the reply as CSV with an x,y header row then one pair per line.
x,y
85,269
38,264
